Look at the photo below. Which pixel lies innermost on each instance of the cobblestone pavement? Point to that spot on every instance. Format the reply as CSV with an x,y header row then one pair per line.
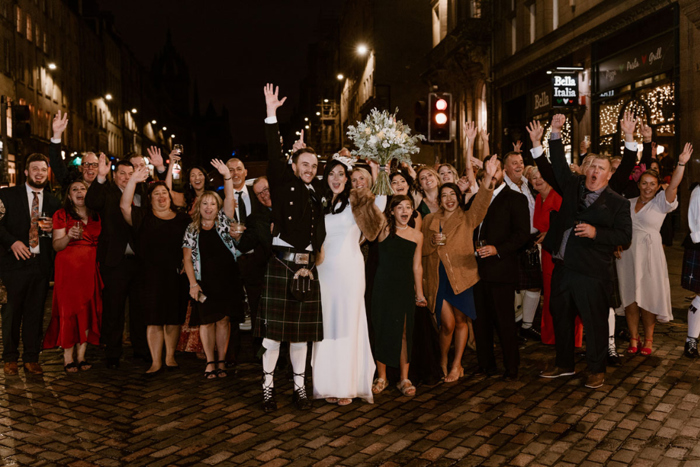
x,y
647,413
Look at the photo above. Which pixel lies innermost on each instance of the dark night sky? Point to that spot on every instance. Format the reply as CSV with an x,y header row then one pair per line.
x,y
232,47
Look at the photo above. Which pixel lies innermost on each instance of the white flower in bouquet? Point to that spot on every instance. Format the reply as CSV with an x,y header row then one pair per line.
x,y
381,138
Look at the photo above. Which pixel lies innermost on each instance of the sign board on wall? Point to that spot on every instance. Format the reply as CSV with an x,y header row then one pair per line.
x,y
564,89
541,100
647,59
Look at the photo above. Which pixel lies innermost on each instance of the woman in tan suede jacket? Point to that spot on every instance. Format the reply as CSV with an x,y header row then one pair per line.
x,y
449,269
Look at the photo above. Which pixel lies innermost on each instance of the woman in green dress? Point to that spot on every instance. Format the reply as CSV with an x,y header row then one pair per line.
x,y
398,279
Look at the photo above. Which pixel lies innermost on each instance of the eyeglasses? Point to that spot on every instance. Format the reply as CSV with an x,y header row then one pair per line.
x,y
266,190
91,165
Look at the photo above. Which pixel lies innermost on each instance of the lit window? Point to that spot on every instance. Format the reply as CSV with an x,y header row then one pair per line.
x,y
29,27
19,19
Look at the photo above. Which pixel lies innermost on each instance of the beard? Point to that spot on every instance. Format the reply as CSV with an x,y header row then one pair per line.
x,y
33,184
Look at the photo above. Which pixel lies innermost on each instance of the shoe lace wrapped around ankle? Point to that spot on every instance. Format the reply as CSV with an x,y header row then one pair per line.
x,y
692,344
300,390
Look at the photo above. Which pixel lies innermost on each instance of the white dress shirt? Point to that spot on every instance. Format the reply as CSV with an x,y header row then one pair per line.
x,y
524,188
246,200
30,198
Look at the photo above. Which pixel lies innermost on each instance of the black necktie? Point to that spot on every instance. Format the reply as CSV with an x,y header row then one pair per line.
x,y
242,214
582,199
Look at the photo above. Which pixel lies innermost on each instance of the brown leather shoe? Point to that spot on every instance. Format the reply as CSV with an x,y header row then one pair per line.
x,y
595,380
557,372
33,368
11,369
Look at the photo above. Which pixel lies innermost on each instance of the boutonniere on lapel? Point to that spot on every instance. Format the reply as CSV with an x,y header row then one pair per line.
x,y
324,202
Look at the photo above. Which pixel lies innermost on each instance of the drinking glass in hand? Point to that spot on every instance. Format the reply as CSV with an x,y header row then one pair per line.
x,y
238,227
440,239
179,148
45,225
80,230
480,244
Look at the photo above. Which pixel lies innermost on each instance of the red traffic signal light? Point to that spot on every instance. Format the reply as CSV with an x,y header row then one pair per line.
x,y
440,121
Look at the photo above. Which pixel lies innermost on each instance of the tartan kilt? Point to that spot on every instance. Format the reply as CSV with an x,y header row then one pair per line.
x,y
283,318
529,269
690,275
615,297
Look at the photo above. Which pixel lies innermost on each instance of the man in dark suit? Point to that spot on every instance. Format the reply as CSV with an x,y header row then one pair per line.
x,y
88,166
247,207
505,229
26,264
582,238
291,303
115,253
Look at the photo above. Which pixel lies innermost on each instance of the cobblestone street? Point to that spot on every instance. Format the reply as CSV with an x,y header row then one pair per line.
x,y
647,413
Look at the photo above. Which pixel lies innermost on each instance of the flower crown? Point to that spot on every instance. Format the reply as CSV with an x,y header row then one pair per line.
x,y
348,162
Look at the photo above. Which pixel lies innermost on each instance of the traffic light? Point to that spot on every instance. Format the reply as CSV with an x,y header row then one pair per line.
x,y
440,117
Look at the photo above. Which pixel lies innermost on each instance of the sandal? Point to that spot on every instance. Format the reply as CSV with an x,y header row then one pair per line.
x,y
83,364
221,372
379,385
70,366
344,401
646,350
407,388
213,374
633,349
332,400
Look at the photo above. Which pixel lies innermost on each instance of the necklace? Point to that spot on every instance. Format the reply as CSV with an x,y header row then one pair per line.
x,y
207,224
402,228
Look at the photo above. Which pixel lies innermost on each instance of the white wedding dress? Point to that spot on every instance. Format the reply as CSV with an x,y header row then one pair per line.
x,y
343,365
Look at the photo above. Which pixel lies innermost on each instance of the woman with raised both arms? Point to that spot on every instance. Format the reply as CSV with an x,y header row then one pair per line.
x,y
449,266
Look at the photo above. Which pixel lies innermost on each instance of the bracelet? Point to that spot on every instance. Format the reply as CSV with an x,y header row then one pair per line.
x,y
193,286
682,164
226,179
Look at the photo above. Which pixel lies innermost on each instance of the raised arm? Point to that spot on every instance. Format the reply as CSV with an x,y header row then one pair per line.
x,y
485,142
694,214
127,198
96,196
229,201
60,122
677,176
647,154
559,171
620,178
178,198
470,134
157,160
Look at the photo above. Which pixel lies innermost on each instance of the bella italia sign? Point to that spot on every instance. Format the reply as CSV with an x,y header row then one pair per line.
x,y
564,89
647,59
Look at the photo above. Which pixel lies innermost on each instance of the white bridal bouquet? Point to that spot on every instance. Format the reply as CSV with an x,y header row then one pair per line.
x,y
381,138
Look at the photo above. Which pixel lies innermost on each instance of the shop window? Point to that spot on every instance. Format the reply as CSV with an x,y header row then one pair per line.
x,y
661,101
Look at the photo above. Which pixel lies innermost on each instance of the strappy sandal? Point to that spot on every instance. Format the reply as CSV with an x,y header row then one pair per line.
x,y
407,388
646,350
83,364
67,368
633,349
213,374
379,385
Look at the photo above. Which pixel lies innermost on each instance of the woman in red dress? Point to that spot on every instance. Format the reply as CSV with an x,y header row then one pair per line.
x,y
76,315
547,200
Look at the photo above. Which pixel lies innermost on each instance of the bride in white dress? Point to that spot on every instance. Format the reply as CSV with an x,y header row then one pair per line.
x,y
343,366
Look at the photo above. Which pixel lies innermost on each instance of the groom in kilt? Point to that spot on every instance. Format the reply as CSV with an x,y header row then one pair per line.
x,y
290,308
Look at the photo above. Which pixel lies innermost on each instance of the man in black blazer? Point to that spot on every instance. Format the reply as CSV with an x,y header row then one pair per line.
x,y
582,238
505,229
26,264
117,258
290,308
247,207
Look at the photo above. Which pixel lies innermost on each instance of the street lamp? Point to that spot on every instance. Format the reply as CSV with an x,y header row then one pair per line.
x,y
165,128
133,111
318,113
153,122
108,97
362,50
52,66
172,136
340,77
306,119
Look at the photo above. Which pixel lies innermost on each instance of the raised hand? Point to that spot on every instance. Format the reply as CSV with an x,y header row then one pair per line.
x,y
156,157
685,155
221,167
628,124
470,131
583,147
60,122
174,156
140,175
103,166
517,145
272,100
536,132
484,136
463,184
558,123
491,166
299,144
646,133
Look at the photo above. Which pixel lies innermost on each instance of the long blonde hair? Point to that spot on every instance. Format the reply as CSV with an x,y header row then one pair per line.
x,y
196,215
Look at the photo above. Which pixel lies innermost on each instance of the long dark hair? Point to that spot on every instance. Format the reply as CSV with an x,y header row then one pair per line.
x,y
190,194
458,192
391,219
69,206
344,197
405,176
